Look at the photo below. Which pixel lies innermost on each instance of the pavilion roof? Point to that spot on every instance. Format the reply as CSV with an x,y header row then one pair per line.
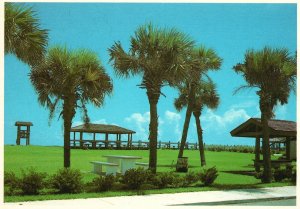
x,y
277,128
101,128
22,123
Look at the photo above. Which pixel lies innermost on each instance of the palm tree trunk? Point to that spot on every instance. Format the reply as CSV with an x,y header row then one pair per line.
x,y
266,112
200,137
267,173
68,114
187,119
153,129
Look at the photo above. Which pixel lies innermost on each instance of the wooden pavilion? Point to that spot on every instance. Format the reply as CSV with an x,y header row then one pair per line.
x,y
23,131
281,131
100,136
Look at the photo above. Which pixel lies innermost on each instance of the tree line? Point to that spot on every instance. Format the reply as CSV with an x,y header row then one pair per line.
x,y
67,80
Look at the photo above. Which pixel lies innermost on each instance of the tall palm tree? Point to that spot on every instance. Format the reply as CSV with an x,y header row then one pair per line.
x,y
205,96
273,72
23,36
68,80
158,55
201,61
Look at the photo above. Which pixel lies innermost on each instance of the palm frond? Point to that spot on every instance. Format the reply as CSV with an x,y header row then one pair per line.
x,y
23,35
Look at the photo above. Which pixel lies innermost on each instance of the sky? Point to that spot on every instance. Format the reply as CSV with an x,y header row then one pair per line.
x,y
230,29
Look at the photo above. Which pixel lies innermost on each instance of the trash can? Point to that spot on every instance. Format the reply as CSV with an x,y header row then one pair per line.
x,y
182,164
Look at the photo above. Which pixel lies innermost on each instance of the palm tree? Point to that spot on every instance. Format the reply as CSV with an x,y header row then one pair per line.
x,y
23,36
201,61
273,72
158,55
68,80
205,96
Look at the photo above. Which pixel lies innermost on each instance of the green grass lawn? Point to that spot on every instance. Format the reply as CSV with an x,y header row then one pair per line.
x,y
50,159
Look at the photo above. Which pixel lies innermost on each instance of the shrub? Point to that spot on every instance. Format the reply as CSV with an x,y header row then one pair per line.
x,y
207,177
178,180
259,175
294,176
162,180
279,174
32,182
190,178
67,180
11,183
134,178
103,183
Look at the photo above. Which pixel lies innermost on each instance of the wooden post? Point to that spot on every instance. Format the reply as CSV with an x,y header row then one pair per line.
x,y
18,136
257,153
28,135
106,140
74,138
94,141
81,142
288,148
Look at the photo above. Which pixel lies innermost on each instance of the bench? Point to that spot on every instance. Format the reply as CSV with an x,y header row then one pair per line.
x,y
111,168
143,165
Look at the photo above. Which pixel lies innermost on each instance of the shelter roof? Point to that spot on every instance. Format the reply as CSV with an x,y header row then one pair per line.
x,y
277,128
22,123
101,128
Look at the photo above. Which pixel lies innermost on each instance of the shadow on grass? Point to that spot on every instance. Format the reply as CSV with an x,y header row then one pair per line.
x,y
174,166
247,173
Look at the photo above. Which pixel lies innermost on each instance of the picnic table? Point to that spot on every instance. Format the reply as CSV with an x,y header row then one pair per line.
x,y
124,162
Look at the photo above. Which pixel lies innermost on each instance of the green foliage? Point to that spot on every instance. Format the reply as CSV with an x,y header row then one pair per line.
x,y
67,180
11,183
208,176
164,179
103,183
191,178
294,177
279,174
23,36
134,178
234,148
32,181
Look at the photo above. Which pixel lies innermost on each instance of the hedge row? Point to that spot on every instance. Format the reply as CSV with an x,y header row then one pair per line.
x,y
32,182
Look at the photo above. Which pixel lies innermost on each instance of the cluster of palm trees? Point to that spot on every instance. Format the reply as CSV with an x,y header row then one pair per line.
x,y
67,80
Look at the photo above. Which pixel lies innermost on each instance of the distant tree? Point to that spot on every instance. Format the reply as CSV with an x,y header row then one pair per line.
x,y
23,36
158,55
201,60
68,80
205,96
273,72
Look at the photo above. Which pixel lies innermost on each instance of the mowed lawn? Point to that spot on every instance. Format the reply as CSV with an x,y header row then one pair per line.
x,y
50,159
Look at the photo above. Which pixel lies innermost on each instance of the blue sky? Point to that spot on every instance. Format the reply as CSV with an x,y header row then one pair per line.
x,y
230,29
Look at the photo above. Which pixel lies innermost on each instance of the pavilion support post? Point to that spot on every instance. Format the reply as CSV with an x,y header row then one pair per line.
x,y
106,140
18,136
257,154
28,135
80,140
94,141
118,142
288,148
128,141
74,138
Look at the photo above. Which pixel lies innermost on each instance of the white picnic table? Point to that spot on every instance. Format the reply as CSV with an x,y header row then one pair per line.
x,y
124,162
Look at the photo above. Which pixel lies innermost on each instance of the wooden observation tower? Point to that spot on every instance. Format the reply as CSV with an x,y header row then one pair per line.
x,y
23,131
